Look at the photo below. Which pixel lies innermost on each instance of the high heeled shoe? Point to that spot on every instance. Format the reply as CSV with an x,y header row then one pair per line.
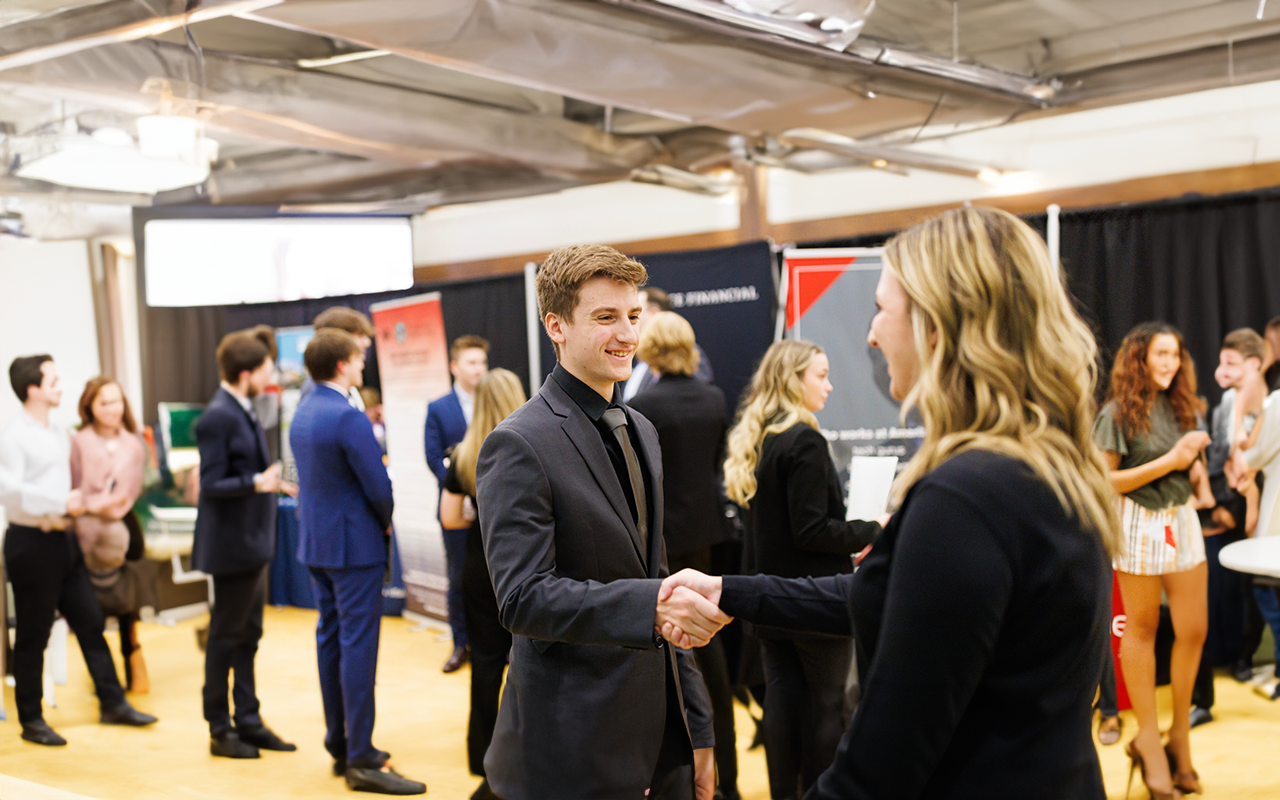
x,y
1136,763
1185,782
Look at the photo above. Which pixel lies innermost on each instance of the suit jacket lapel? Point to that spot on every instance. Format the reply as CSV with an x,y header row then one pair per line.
x,y
590,446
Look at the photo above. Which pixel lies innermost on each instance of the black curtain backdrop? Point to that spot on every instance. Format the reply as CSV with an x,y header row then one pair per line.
x,y
1205,265
178,362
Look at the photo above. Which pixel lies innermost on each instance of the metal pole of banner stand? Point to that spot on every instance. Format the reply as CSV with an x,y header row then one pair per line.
x,y
1054,235
784,286
532,325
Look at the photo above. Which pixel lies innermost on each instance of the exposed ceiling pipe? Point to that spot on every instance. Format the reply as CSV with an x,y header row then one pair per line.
x,y
833,24
82,27
315,110
659,60
883,157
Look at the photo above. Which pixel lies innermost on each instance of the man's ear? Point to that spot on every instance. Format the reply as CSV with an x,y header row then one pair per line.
x,y
555,328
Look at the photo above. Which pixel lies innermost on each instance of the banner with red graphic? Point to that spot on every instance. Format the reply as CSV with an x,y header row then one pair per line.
x,y
413,364
830,300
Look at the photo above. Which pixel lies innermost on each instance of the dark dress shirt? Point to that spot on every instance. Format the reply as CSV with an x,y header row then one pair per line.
x,y
982,620
594,406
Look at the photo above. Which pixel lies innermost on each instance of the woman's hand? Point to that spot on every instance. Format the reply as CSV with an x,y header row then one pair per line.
x,y
1187,450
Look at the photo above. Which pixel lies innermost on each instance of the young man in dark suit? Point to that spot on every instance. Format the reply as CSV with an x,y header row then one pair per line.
x,y
596,704
447,421
344,516
235,539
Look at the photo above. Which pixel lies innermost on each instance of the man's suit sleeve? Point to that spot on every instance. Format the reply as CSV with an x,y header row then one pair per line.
x,y
518,525
216,477
364,456
433,443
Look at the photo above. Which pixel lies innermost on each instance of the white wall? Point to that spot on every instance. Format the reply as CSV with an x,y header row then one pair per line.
x,y
46,306
611,212
1206,130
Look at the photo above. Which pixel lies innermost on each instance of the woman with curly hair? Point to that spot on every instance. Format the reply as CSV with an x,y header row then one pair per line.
x,y
1148,434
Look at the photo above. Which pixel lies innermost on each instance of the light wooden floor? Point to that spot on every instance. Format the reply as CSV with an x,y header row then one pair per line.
x,y
422,717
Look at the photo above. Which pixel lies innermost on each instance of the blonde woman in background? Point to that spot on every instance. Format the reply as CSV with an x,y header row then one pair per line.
x,y
982,611
498,394
779,469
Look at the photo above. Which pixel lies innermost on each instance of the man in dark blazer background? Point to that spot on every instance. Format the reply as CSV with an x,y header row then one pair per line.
x,y
596,704
691,419
344,517
447,421
235,539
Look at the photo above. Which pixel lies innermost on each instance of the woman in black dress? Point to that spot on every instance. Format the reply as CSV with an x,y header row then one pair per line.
x,y
780,471
981,613
498,394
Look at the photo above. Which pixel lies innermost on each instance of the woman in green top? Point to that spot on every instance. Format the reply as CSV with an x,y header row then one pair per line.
x,y
1147,432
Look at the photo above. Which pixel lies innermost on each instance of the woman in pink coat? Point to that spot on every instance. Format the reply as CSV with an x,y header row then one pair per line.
x,y
107,459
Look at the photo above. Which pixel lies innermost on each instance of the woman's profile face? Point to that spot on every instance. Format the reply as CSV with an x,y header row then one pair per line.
x,y
816,384
108,407
1164,359
891,332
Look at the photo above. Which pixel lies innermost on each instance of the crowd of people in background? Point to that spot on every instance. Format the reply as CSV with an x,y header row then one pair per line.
x,y
689,495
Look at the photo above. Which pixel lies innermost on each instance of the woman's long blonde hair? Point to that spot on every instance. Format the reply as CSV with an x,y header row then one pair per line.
x,y
498,394
774,402
1006,364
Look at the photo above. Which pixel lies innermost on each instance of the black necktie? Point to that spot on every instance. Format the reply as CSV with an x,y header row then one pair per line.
x,y
616,419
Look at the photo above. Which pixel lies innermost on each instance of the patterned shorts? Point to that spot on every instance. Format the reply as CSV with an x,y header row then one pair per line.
x,y
1158,542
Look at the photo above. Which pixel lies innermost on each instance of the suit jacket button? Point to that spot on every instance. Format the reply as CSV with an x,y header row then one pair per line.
x,y
659,641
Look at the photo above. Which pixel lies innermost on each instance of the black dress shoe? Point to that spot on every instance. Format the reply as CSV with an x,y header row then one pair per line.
x,y
484,792
1200,716
263,738
1242,671
380,757
382,781
41,733
228,745
125,714
461,655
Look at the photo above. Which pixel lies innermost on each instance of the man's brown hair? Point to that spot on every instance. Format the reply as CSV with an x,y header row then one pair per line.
x,y
653,296
326,350
1273,324
25,372
559,281
467,342
345,319
241,351
1247,342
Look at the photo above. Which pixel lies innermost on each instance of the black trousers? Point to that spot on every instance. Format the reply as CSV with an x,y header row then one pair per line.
x,y
490,646
48,575
235,628
714,666
804,713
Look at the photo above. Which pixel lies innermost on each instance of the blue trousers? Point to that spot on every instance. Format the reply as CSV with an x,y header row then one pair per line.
x,y
1269,604
455,557
350,602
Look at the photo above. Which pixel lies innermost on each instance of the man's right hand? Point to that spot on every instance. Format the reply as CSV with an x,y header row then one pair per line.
x,y
687,614
268,482
1188,448
75,503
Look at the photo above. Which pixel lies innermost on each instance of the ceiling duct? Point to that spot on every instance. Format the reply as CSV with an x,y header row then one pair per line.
x,y
77,27
884,157
832,24
648,57
314,110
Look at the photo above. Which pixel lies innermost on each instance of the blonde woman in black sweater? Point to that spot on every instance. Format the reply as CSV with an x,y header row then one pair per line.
x,y
780,470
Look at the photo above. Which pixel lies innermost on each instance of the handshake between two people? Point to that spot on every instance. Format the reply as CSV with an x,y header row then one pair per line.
x,y
688,612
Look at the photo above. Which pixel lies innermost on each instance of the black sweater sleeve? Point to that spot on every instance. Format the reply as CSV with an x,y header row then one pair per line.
x,y
819,605
809,477
949,586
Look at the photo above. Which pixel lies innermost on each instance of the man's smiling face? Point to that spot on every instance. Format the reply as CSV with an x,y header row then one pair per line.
x,y
597,344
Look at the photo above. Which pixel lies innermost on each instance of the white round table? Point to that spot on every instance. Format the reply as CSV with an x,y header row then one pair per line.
x,y
1259,556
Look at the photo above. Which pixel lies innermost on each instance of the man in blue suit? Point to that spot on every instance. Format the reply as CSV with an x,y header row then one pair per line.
x,y
447,421
344,515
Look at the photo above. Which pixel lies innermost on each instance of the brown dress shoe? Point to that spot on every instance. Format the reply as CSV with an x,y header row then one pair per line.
x,y
461,655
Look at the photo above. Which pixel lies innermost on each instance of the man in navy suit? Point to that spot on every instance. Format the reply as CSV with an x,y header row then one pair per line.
x,y
235,539
344,516
447,421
